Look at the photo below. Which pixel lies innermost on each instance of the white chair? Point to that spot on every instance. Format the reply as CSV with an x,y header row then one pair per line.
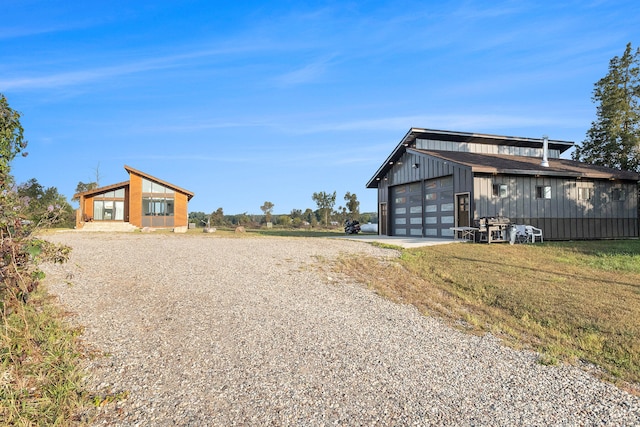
x,y
533,232
522,236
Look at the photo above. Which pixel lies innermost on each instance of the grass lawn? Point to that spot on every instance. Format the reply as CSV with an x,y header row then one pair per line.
x,y
273,232
571,301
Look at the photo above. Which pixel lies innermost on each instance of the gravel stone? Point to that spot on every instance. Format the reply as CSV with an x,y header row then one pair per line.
x,y
205,330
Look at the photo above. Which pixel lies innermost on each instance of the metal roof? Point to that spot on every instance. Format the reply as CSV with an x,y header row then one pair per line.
x,y
522,165
409,140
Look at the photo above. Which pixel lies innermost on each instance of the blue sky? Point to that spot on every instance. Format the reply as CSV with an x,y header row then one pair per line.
x,y
247,101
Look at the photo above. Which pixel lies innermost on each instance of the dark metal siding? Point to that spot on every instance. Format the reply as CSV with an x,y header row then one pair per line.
x,y
404,172
564,216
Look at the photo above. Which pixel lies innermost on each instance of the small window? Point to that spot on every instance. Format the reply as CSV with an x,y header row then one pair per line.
x,y
617,194
415,187
500,190
543,192
447,181
585,193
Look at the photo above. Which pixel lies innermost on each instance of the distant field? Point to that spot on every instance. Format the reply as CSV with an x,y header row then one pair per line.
x,y
283,232
571,301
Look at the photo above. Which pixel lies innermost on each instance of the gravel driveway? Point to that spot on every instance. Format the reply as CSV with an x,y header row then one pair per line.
x,y
205,330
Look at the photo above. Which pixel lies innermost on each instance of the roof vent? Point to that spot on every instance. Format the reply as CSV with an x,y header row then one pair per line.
x,y
545,152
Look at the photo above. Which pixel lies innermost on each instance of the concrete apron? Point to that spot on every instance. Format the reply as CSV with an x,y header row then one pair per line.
x,y
405,242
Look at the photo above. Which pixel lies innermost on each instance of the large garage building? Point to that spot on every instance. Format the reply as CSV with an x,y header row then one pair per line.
x,y
435,180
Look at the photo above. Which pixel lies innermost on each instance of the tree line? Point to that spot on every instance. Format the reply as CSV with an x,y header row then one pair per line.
x,y
323,216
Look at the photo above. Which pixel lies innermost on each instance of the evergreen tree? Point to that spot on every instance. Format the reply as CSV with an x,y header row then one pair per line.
x,y
614,137
84,186
217,217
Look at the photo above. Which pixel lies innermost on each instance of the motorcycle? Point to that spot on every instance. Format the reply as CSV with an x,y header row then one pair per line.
x,y
351,227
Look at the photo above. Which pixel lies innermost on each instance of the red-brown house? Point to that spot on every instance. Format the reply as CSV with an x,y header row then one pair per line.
x,y
142,201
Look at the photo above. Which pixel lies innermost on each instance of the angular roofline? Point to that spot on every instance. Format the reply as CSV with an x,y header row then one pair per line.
x,y
522,165
101,189
445,135
159,181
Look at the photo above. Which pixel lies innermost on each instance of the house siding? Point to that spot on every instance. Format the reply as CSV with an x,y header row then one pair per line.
x,y
428,168
564,216
135,199
477,162
88,206
181,215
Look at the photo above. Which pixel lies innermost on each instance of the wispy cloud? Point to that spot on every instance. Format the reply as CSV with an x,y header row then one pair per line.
x,y
310,125
91,75
446,121
11,32
307,74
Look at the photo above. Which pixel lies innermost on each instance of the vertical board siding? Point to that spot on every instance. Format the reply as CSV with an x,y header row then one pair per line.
x,y
135,199
564,216
88,206
403,172
180,210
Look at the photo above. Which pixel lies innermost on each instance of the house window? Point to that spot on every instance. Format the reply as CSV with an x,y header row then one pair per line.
x,y
617,194
158,204
585,193
500,190
543,192
109,206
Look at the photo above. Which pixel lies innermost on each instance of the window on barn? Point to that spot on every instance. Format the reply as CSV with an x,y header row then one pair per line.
x,y
543,192
617,194
500,190
585,193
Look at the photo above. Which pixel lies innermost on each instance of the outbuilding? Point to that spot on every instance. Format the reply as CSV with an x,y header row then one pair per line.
x,y
142,201
437,180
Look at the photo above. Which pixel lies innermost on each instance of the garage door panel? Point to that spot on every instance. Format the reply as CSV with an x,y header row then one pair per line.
x,y
407,210
424,208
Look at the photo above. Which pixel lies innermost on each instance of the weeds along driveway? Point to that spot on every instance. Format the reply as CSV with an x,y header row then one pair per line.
x,y
204,330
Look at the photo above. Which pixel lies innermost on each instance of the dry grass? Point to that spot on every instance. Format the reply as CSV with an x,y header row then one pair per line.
x,y
41,381
577,301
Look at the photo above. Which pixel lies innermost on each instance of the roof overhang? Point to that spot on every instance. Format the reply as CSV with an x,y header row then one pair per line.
x,y
503,164
131,170
101,190
409,140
